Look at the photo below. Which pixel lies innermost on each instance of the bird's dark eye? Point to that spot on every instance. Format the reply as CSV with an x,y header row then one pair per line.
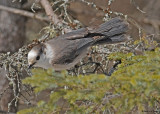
x,y
38,57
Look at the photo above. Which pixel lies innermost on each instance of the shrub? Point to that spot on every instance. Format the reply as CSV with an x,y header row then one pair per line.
x,y
133,86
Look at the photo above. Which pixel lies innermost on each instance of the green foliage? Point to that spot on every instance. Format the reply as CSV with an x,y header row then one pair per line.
x,y
134,85
137,80
72,88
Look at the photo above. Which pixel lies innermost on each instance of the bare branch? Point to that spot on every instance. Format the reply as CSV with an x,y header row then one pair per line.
x,y
52,16
24,13
49,11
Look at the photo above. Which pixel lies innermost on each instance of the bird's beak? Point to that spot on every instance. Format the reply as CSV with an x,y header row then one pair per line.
x,y
30,66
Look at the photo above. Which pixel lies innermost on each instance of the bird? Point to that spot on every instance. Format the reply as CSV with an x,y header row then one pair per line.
x,y
65,51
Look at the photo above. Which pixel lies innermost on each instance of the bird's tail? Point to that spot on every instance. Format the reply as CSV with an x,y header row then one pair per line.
x,y
113,31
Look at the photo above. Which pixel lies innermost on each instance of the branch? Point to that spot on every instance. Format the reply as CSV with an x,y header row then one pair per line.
x,y
24,13
49,11
52,16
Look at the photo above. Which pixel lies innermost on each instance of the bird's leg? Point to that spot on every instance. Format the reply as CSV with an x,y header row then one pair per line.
x,y
97,65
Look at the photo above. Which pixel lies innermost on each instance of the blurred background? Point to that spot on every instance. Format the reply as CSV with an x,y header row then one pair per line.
x,y
17,30
87,15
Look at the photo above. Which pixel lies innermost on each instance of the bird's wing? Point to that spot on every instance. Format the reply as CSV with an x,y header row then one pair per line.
x,y
66,51
109,29
75,34
80,34
65,55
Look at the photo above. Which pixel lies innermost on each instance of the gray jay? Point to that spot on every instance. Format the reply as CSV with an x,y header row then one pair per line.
x,y
65,51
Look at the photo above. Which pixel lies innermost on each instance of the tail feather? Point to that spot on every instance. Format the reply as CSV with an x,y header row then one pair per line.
x,y
119,28
113,40
108,25
113,31
119,38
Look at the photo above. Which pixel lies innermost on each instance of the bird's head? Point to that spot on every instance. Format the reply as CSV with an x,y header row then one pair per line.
x,y
34,55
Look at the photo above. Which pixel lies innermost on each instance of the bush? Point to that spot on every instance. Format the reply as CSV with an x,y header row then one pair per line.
x,y
134,86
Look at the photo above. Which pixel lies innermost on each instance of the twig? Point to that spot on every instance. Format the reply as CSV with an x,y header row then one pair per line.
x,y
24,13
137,7
49,11
52,16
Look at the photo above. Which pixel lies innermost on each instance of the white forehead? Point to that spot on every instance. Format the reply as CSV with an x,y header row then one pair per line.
x,y
32,54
